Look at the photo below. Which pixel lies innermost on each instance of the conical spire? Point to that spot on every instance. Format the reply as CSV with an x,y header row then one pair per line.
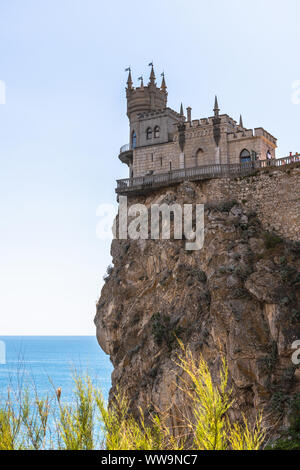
x,y
163,86
216,108
181,110
241,121
129,80
152,75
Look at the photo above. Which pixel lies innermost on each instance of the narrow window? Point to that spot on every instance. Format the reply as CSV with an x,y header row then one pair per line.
x,y
133,140
149,133
170,166
151,157
199,157
160,161
156,132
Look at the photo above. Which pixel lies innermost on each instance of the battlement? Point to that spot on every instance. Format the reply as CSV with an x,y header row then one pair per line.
x,y
249,134
240,134
145,98
158,113
260,132
209,121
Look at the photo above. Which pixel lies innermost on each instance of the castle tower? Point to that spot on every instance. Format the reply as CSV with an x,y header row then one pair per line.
x,y
151,122
145,98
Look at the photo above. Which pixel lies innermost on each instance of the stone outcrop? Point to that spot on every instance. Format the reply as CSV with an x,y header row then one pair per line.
x,y
238,297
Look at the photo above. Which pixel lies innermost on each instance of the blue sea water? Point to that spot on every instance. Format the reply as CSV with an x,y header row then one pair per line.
x,y
44,363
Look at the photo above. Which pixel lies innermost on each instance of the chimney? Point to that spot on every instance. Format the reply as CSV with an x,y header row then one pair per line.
x,y
189,114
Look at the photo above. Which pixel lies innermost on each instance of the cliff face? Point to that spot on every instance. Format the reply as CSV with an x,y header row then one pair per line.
x,y
239,297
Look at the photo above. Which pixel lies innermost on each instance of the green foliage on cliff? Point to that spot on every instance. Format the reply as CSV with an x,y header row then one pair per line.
x,y
271,240
290,438
88,423
163,331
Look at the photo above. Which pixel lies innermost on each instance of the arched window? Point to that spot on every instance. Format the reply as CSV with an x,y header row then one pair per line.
x,y
133,140
245,156
199,157
149,133
156,132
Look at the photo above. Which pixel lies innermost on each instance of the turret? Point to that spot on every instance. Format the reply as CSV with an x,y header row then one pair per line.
x,y
216,107
129,80
181,111
241,122
163,86
145,98
216,126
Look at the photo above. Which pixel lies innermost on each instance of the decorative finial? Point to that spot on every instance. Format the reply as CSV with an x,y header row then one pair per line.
x,y
163,86
241,121
141,80
216,108
181,110
129,79
152,74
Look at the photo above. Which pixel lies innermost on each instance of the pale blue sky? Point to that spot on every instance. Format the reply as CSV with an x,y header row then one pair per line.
x,y
64,120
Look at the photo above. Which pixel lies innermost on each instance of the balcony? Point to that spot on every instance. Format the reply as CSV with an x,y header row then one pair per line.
x,y
144,184
126,154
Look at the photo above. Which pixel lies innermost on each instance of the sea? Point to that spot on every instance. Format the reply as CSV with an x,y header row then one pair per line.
x,y
42,364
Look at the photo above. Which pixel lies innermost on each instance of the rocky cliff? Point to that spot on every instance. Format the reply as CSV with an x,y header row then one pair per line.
x,y
239,297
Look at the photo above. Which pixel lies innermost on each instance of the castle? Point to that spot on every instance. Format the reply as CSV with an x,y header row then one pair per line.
x,y
163,140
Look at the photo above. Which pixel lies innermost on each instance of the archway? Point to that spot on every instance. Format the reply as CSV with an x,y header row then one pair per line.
x,y
199,157
245,156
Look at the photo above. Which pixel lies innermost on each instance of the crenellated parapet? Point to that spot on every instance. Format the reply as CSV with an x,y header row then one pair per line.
x,y
145,98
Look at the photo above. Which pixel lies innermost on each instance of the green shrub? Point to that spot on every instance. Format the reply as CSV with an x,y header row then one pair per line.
x,y
271,240
285,444
290,438
163,331
224,206
86,422
294,414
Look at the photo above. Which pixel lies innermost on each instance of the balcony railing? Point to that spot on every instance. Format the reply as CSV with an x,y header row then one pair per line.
x,y
125,148
144,183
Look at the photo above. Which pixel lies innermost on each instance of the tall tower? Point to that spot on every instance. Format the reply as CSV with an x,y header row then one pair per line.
x,y
151,122
145,98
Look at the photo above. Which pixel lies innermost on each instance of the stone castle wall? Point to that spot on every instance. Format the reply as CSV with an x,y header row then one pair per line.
x,y
274,194
200,146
